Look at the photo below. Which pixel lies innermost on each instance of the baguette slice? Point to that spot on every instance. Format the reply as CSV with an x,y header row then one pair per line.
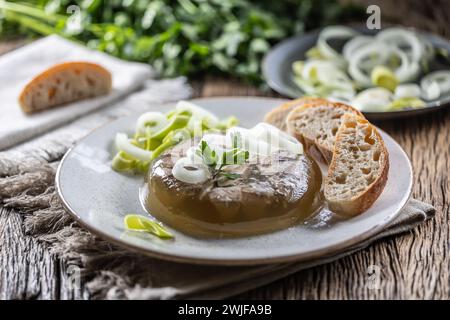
x,y
64,83
359,169
316,124
277,116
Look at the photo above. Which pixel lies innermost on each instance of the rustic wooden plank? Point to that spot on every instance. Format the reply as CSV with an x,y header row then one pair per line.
x,y
413,266
28,271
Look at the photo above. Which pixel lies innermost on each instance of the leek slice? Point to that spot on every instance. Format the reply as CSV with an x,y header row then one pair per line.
x,y
297,67
409,90
400,38
176,122
406,102
383,77
198,113
122,162
353,45
124,144
276,138
337,32
172,138
373,100
137,222
314,53
150,122
435,84
227,123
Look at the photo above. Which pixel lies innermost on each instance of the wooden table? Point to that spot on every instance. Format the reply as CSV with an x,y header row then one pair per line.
x,y
413,266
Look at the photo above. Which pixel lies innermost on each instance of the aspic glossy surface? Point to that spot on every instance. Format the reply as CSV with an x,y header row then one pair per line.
x,y
271,193
99,198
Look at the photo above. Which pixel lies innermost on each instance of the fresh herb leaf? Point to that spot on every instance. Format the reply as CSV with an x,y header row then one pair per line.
x,y
230,175
235,156
177,37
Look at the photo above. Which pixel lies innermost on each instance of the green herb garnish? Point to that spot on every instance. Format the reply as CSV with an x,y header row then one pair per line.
x,y
218,161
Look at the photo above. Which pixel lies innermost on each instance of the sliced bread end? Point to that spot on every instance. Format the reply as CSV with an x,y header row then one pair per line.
x,y
359,168
64,83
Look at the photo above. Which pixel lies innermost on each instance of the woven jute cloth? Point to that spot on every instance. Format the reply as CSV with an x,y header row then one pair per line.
x,y
109,272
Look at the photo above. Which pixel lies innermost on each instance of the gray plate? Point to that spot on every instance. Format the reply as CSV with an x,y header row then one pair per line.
x,y
99,198
278,74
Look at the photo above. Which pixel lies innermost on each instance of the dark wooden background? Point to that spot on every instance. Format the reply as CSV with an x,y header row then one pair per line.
x,y
413,266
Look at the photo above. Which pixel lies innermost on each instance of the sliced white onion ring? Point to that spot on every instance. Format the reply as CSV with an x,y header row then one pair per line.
x,y
187,171
339,32
435,84
409,90
197,112
376,51
124,144
151,121
352,46
325,74
400,37
276,138
191,154
343,95
407,70
373,99
305,85
249,142
215,140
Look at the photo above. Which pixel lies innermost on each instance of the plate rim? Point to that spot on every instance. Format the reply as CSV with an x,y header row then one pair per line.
x,y
301,257
430,107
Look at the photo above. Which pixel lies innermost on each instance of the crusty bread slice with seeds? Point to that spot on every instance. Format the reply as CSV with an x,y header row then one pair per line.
x,y
316,124
359,169
64,83
277,116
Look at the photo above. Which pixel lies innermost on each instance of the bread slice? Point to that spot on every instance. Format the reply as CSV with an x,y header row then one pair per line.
x,y
277,116
317,123
64,83
359,169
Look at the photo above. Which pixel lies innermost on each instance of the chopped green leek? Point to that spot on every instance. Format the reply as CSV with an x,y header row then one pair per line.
x,y
170,114
314,53
406,102
124,162
177,130
297,67
173,138
176,122
384,77
137,222
227,123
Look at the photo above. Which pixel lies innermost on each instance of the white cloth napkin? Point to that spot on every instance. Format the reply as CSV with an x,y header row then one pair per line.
x,y
20,66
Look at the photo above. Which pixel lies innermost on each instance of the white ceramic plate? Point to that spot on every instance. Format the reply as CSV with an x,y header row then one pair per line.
x,y
99,198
